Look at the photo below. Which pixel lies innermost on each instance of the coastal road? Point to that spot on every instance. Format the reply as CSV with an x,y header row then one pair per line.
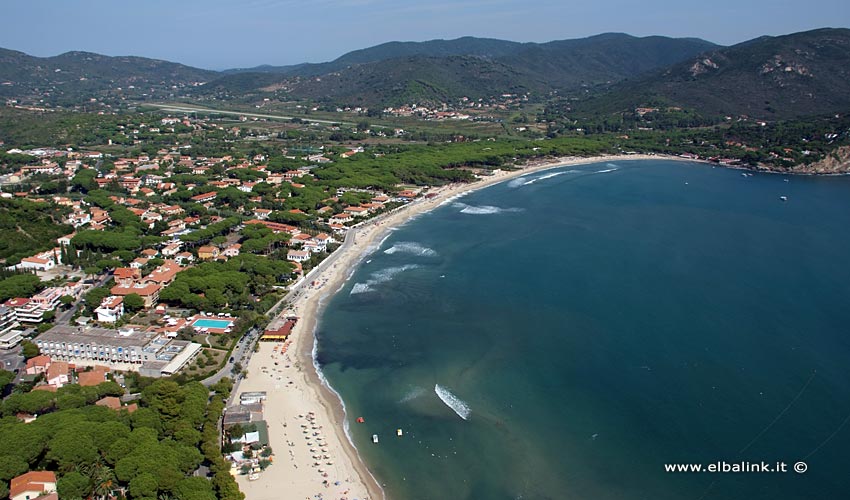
x,y
241,354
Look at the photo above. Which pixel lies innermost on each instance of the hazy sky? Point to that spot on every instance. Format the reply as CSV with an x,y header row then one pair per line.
x,y
220,34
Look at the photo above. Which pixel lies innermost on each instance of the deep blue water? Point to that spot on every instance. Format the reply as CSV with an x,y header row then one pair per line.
x,y
599,325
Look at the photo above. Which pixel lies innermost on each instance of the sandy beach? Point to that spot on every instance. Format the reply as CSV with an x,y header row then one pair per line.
x,y
313,458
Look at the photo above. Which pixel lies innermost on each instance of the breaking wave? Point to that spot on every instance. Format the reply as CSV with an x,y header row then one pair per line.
x,y
455,403
483,209
412,394
410,247
379,277
519,181
543,177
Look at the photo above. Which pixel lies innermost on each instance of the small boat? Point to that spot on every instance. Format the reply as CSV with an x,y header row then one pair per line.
x,y
783,198
399,432
360,420
375,438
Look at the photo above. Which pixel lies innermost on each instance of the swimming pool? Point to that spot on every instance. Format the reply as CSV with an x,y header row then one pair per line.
x,y
212,323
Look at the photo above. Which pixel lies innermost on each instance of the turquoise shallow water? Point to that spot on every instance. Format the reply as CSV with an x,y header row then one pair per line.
x,y
600,323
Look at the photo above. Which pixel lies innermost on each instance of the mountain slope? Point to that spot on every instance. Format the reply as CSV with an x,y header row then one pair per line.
x,y
465,46
75,75
787,76
439,70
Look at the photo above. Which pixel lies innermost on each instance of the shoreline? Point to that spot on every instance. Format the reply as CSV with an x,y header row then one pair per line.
x,y
303,373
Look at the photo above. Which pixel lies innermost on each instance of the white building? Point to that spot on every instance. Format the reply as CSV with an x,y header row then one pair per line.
x,y
110,310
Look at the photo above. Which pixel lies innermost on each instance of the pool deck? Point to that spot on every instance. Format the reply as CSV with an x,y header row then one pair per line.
x,y
220,331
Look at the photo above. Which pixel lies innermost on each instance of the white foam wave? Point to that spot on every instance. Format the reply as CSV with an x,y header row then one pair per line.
x,y
455,403
360,288
483,209
379,277
519,181
451,199
543,177
412,394
605,171
410,247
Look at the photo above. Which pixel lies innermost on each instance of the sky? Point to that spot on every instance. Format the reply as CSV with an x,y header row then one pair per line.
x,y
220,34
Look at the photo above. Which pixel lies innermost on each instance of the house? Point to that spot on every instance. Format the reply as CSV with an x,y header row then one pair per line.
x,y
65,241
232,250
208,252
341,218
126,276
172,249
32,485
42,261
110,310
115,403
94,377
298,256
139,262
149,292
57,374
164,274
262,213
38,364
185,258
203,198
276,226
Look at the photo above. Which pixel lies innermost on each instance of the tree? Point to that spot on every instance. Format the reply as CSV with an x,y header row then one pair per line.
x,y
19,285
29,349
11,466
66,300
144,485
95,296
73,485
6,378
134,302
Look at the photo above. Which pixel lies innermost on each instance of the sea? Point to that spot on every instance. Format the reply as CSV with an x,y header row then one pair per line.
x,y
573,333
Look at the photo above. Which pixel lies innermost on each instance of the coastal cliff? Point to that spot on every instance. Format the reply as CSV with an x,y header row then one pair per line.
x,y
837,162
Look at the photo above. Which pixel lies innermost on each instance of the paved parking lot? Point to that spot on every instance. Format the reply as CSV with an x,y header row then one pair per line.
x,y
12,360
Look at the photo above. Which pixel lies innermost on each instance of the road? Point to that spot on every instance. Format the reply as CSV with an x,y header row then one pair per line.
x,y
180,108
64,317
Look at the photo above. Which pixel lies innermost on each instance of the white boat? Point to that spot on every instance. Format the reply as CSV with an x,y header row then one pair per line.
x,y
375,438
399,432
783,198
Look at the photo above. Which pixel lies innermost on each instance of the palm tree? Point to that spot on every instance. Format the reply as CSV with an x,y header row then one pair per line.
x,y
104,481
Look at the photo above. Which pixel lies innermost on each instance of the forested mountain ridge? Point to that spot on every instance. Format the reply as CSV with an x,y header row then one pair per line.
x,y
781,77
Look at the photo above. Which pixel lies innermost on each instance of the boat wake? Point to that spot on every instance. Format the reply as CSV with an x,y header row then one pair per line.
x,y
483,209
379,277
453,402
410,247
605,171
